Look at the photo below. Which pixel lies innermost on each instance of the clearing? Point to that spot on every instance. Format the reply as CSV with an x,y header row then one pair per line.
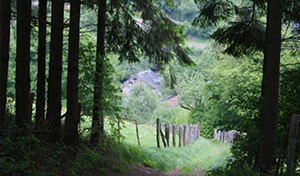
x,y
193,159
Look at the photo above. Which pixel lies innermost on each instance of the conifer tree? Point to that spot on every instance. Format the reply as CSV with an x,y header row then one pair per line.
x,y
5,15
41,76
73,107
23,100
55,72
98,116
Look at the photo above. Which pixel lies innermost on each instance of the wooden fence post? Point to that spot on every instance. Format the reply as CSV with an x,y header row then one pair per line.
x,y
163,138
187,134
158,132
292,144
180,136
215,133
167,134
226,137
190,133
173,134
137,132
222,136
195,133
184,134
198,131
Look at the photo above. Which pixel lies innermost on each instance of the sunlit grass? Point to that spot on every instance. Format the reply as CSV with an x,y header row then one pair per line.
x,y
203,153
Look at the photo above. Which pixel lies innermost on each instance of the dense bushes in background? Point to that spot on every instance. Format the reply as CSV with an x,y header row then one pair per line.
x,y
145,105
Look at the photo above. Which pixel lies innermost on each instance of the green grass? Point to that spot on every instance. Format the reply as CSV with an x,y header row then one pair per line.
x,y
203,153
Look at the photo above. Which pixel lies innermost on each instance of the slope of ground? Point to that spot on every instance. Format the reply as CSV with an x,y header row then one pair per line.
x,y
203,153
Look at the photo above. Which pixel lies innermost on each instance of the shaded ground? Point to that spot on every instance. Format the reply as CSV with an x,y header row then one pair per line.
x,y
146,171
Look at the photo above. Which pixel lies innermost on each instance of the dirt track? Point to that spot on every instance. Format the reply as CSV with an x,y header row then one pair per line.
x,y
146,171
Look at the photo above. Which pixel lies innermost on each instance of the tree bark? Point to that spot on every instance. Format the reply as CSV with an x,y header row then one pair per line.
x,y
55,72
23,101
5,13
272,64
40,94
98,116
72,118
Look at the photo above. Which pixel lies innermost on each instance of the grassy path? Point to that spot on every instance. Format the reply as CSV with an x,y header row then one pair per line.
x,y
193,159
203,153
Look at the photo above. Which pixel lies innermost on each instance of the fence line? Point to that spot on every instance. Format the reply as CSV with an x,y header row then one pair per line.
x,y
226,136
186,133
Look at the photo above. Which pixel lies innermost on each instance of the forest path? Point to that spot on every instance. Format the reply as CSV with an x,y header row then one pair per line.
x,y
146,171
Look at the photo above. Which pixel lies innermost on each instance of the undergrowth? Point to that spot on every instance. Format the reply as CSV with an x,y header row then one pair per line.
x,y
22,154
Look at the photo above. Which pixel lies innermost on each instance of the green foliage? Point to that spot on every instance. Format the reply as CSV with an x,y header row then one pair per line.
x,y
23,154
236,104
88,162
154,36
183,11
86,77
244,170
15,153
213,12
289,100
222,101
111,86
176,115
247,38
141,103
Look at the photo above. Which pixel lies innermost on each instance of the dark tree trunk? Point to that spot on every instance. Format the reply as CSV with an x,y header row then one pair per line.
x,y
98,117
55,72
72,118
40,95
5,14
23,101
271,82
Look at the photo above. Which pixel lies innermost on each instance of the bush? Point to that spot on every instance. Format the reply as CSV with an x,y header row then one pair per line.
x,y
141,103
176,115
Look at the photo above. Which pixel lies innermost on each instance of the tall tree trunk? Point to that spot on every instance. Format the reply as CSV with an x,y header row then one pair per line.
x,y
40,95
73,111
98,116
5,13
271,78
55,72
23,101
